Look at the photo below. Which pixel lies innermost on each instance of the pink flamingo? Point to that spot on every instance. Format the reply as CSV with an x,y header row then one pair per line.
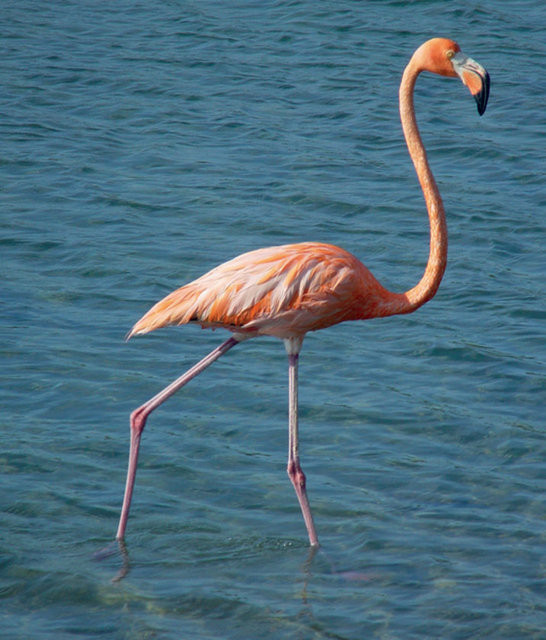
x,y
289,290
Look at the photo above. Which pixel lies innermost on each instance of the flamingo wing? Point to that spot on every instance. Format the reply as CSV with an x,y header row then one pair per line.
x,y
282,291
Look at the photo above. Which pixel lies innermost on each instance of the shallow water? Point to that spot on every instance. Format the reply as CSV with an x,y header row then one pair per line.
x,y
144,144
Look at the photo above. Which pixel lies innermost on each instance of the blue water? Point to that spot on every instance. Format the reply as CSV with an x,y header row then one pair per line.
x,y
144,143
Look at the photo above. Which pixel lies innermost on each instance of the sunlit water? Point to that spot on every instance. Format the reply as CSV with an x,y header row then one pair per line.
x,y
144,143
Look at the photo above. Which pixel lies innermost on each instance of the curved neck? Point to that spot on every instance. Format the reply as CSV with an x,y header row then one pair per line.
x,y
429,283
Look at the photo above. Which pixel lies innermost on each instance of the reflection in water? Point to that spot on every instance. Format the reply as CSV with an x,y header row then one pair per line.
x,y
118,547
113,548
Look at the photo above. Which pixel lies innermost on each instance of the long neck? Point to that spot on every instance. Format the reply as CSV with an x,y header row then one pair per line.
x,y
429,283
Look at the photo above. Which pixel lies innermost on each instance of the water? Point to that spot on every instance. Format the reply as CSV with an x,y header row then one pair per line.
x,y
142,144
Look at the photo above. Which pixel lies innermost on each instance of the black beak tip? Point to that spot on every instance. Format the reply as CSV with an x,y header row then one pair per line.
x,y
483,96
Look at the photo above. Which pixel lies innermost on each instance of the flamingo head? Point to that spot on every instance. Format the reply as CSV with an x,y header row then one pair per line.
x,y
444,56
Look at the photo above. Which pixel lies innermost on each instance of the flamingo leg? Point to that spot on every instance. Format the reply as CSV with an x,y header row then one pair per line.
x,y
295,472
138,422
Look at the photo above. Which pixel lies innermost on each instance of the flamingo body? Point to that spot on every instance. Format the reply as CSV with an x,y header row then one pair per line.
x,y
282,291
289,290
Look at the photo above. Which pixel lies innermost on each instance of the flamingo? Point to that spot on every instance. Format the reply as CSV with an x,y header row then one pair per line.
x,y
288,290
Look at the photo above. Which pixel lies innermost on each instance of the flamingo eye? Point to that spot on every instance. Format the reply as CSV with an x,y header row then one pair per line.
x,y
450,54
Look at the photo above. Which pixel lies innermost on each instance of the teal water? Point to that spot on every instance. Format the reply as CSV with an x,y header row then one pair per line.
x,y
144,143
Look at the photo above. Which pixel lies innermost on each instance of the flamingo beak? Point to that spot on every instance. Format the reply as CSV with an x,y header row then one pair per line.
x,y
475,77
